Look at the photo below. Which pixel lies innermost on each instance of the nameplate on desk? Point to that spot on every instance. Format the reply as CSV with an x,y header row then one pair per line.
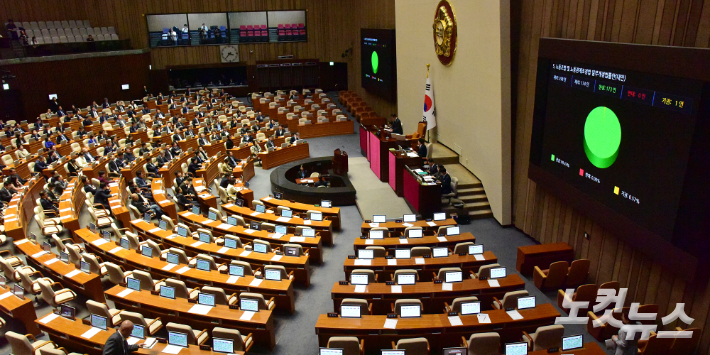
x,y
51,261
115,250
247,315
276,257
232,279
205,347
5,295
391,315
245,253
254,214
187,214
168,267
72,273
200,309
90,333
48,318
23,241
233,306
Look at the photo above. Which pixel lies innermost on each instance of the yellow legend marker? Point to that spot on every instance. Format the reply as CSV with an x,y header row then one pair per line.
x,y
616,190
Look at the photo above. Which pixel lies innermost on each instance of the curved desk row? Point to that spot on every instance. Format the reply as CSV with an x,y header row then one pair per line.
x,y
21,309
449,241
20,208
324,227
117,202
332,213
426,266
437,328
284,155
399,227
282,291
180,310
70,202
219,228
432,295
299,265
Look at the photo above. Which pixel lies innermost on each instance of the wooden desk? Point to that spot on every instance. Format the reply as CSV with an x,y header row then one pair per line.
x,y
188,143
160,196
244,170
426,241
432,295
299,265
425,199
177,310
324,228
20,209
168,173
67,333
332,213
588,349
210,170
22,310
435,327
81,282
204,194
130,171
542,255
325,129
71,201
117,202
282,290
34,146
397,161
383,267
399,228
284,155
92,171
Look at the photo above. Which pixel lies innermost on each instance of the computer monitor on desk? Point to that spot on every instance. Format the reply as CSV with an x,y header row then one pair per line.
x,y
172,258
330,351
475,249
498,273
182,231
259,248
378,234
281,230
205,238
379,218
98,321
468,308
326,204
392,352
260,208
453,276
439,252
452,230
402,253
409,218
236,270
232,221
196,210
211,215
309,232
365,254
349,311
410,311
526,302
177,339
273,275
454,351
138,331
249,304
206,299
572,342
440,216
286,213
516,349
203,265
406,279
133,284
225,346
415,233
167,292
316,216
359,279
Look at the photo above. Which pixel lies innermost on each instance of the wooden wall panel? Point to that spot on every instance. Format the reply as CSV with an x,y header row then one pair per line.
x,y
333,27
540,214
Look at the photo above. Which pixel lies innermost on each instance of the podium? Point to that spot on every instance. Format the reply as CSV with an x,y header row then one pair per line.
x,y
340,162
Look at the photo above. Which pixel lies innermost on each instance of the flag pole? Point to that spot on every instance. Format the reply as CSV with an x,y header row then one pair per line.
x,y
427,76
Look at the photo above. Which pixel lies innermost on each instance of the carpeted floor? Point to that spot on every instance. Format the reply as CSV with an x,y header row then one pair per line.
x,y
295,333
374,196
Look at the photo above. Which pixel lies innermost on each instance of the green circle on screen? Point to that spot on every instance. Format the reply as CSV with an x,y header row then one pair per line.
x,y
375,62
602,137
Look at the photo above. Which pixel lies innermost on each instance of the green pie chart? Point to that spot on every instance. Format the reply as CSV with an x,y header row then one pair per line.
x,y
375,62
602,137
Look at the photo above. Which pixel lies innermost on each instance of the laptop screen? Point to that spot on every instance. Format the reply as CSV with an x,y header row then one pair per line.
x,y
255,225
173,258
572,342
326,203
92,227
230,243
452,231
402,253
196,210
211,215
516,349
290,251
359,279
203,265
281,230
125,244
350,311
260,248
223,345
379,218
163,225
147,251
309,232
454,351
273,275
526,302
167,292
406,279
177,339
182,231
46,246
440,252
415,233
147,217
67,311
377,235
138,331
453,276
206,299
410,311
498,273
440,216
231,220
317,216
239,202
278,195
249,304
260,208
286,213
133,284
475,249
392,352
365,254
236,270
330,351
205,238
409,218
84,266
470,308
65,257
98,321
19,292
106,235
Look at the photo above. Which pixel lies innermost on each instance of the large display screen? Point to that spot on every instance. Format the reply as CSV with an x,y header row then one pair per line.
x,y
618,135
379,63
621,137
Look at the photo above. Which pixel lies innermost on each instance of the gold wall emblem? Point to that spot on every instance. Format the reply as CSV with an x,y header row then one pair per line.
x,y
444,29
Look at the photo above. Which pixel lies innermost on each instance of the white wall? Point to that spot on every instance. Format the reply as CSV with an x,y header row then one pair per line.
x,y
472,96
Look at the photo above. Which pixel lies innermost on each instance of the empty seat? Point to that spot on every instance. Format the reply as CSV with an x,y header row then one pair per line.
x,y
413,346
483,344
151,325
552,278
111,30
194,337
21,345
549,336
241,342
114,37
72,24
350,345
577,273
456,304
510,300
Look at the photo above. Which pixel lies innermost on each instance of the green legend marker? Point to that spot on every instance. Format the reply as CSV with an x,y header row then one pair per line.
x,y
602,136
375,62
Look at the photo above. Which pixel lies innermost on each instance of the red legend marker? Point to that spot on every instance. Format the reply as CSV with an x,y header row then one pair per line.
x,y
581,172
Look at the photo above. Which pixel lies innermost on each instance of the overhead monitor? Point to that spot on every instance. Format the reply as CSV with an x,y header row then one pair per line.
x,y
379,62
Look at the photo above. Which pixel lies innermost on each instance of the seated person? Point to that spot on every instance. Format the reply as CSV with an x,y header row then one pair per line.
x,y
321,182
445,179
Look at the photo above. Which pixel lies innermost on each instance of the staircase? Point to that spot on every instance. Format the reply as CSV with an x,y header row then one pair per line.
x,y
470,189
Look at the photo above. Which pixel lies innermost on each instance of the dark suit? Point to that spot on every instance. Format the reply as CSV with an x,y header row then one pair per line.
x,y
116,345
445,184
102,197
397,126
422,151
